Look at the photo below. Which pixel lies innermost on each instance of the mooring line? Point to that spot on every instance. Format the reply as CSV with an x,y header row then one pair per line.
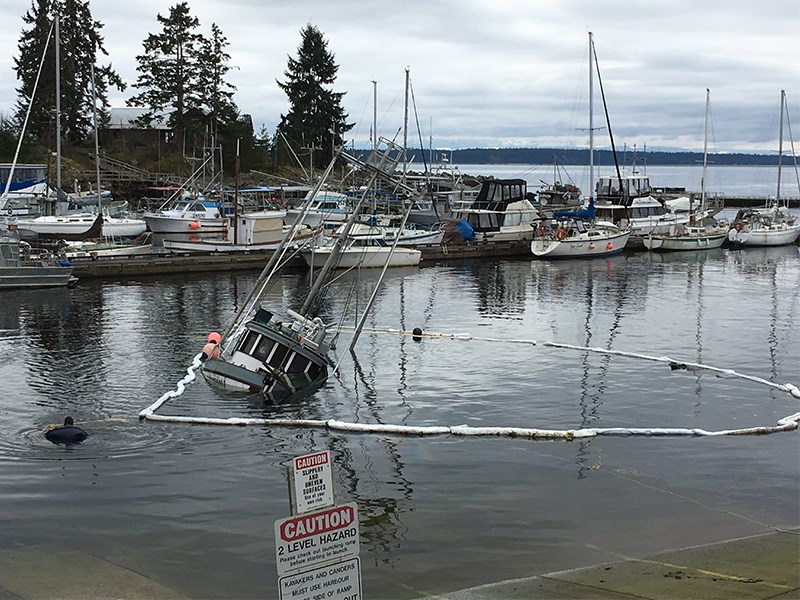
x,y
787,423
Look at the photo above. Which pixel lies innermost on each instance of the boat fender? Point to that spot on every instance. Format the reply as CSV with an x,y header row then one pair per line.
x,y
68,433
194,225
416,334
739,226
561,234
211,349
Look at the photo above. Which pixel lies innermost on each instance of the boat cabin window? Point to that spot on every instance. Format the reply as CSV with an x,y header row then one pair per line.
x,y
299,365
278,355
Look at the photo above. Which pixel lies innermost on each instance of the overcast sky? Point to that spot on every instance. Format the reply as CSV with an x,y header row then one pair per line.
x,y
498,73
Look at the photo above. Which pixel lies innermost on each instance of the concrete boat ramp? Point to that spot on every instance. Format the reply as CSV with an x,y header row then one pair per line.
x,y
42,572
751,568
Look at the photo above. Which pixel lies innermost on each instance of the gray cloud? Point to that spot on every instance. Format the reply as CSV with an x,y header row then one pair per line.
x,y
500,73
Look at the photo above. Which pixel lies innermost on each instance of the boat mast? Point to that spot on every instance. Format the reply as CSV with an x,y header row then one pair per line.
x,y
705,165
405,130
608,123
591,121
780,151
58,107
96,141
374,115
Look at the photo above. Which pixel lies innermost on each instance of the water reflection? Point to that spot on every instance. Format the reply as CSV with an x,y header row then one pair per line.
x,y
189,495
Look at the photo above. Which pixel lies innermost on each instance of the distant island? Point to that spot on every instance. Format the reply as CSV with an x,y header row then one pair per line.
x,y
573,156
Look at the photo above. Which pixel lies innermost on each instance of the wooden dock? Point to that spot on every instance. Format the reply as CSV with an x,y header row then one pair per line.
x,y
175,262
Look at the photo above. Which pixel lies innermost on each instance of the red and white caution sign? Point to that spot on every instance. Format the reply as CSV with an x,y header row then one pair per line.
x,y
311,482
314,539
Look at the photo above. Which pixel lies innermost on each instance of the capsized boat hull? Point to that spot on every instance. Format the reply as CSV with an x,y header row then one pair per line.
x,y
273,358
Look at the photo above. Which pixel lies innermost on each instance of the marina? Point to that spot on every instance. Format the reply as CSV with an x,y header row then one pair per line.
x,y
195,500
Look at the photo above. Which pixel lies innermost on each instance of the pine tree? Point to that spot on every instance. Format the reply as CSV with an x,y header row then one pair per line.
x,y
80,42
316,118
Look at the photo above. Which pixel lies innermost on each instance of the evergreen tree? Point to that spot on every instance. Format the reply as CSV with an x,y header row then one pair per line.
x,y
183,72
211,91
168,68
80,42
316,118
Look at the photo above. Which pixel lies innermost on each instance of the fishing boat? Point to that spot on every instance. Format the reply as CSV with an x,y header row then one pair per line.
x,y
772,225
577,234
697,234
249,232
23,267
283,357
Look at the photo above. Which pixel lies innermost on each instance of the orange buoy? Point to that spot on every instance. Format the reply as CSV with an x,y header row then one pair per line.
x,y
194,225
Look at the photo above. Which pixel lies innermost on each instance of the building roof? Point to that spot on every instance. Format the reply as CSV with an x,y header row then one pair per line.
x,y
126,118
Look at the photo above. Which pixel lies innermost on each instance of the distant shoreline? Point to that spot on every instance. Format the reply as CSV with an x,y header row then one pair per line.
x,y
572,156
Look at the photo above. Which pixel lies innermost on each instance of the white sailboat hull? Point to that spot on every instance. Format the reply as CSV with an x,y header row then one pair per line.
x,y
374,257
781,234
580,246
703,241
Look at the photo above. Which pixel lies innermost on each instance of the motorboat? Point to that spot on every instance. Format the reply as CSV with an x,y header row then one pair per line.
x,y
500,212
22,266
187,214
327,208
362,246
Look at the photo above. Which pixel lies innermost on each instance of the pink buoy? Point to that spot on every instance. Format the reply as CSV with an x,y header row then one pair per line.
x,y
609,246
194,225
591,245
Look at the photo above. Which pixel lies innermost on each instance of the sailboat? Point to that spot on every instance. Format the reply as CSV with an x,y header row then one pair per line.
x,y
772,225
695,235
281,357
77,226
578,233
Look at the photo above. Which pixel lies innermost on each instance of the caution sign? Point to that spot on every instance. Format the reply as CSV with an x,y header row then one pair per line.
x,y
306,541
311,482
341,581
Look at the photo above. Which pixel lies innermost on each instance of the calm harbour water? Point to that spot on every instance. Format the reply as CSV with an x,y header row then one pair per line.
x,y
722,181
193,507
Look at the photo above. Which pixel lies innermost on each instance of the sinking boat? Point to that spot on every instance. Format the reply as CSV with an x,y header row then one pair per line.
x,y
284,356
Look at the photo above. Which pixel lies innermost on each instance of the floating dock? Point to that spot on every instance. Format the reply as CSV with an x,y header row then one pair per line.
x,y
162,263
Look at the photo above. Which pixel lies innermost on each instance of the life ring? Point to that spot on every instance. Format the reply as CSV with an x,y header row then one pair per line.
x,y
561,234
738,226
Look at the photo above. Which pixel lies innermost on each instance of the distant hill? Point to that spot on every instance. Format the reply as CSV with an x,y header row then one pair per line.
x,y
535,156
